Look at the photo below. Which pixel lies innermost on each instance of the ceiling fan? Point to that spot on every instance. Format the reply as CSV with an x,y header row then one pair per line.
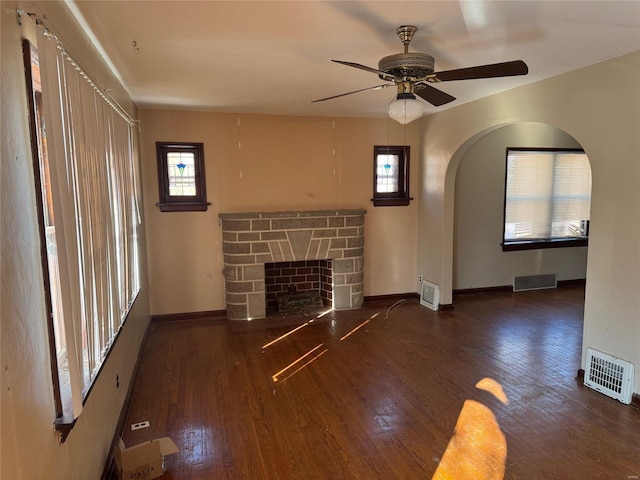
x,y
413,72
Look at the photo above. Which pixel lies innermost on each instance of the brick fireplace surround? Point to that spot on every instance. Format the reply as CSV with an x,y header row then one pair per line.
x,y
249,240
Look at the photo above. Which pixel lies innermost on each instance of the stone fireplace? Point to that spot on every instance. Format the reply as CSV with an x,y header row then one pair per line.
x,y
251,240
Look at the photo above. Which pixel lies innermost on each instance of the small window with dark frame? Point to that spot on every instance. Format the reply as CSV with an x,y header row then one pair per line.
x,y
181,179
390,176
547,198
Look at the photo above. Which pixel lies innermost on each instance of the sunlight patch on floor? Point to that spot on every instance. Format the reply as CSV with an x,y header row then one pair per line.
x,y
478,448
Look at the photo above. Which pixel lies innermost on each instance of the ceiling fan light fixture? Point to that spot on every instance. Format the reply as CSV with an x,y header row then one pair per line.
x,y
405,108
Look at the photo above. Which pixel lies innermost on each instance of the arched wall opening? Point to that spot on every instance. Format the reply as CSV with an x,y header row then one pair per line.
x,y
478,260
493,140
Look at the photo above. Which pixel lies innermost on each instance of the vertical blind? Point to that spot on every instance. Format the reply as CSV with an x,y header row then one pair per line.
x,y
548,194
90,144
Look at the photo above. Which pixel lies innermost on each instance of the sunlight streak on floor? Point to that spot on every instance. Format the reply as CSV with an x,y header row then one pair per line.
x,y
286,334
275,376
313,359
356,329
324,313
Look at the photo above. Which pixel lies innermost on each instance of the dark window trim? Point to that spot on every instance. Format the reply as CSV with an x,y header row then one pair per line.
x,y
535,244
544,243
401,197
391,202
27,50
170,203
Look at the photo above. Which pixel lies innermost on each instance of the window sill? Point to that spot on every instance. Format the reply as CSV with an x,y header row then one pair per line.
x,y
391,202
539,244
64,425
183,206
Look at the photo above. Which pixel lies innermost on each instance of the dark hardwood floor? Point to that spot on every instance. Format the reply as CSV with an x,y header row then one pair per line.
x,y
359,395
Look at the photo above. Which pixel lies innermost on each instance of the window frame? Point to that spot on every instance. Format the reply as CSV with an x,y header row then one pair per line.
x,y
80,337
401,196
533,244
34,102
175,203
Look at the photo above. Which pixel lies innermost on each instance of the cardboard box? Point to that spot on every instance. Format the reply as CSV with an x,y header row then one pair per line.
x,y
145,460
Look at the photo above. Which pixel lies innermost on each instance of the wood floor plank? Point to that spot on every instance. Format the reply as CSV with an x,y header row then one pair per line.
x,y
378,393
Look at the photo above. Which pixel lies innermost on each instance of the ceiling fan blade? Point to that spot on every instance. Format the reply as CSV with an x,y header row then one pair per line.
x,y
377,87
432,95
383,75
505,69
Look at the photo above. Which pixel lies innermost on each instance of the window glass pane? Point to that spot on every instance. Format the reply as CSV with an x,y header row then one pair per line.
x,y
182,174
387,171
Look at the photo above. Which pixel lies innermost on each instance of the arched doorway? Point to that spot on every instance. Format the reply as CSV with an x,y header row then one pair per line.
x,y
478,258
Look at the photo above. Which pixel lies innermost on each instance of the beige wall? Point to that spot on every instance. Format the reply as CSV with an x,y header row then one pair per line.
x,y
599,106
30,447
478,259
271,163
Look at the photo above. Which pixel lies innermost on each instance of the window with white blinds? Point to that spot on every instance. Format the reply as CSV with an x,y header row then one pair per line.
x,y
547,197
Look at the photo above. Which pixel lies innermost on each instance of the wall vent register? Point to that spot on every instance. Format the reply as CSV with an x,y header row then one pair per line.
x,y
609,375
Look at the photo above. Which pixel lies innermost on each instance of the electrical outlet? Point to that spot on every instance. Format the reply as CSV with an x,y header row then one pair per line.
x,y
420,278
139,425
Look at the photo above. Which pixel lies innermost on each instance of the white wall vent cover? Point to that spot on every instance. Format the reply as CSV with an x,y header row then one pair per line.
x,y
609,375
430,295
535,282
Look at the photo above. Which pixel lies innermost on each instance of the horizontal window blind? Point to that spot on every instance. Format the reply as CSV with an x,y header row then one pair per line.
x,y
548,195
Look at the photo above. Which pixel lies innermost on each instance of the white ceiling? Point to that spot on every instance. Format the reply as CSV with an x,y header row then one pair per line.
x,y
274,57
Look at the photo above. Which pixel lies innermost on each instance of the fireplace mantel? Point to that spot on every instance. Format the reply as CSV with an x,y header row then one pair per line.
x,y
252,239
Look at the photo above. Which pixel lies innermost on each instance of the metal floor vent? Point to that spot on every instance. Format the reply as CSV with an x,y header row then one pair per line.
x,y
609,375
535,282
430,296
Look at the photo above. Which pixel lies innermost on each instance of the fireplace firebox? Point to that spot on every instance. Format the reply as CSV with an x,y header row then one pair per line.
x,y
288,282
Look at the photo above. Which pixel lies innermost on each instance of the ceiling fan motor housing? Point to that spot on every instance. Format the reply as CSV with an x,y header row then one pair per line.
x,y
411,65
